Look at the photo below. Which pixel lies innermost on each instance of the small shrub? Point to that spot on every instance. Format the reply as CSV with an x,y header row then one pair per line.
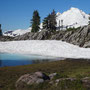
x,y
79,76
71,29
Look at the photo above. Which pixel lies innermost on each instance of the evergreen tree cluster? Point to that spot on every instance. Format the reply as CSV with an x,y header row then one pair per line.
x,y
49,22
0,30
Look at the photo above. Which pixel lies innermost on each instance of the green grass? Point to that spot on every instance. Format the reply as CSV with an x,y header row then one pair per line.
x,y
64,68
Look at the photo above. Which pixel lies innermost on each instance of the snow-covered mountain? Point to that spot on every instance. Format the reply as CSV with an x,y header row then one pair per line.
x,y
73,17
16,32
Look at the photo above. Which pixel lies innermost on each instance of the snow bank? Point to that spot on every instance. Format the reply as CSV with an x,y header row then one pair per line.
x,y
45,48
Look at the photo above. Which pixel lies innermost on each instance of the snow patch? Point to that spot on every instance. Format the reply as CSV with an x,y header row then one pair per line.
x,y
16,32
45,48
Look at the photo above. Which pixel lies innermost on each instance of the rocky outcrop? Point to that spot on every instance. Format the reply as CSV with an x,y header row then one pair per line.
x,y
43,35
29,79
6,38
38,78
87,45
80,36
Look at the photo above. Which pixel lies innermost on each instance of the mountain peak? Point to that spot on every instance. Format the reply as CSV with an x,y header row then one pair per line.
x,y
58,13
73,8
73,17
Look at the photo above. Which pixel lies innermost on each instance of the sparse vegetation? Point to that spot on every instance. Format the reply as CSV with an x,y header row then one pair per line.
x,y
64,68
73,29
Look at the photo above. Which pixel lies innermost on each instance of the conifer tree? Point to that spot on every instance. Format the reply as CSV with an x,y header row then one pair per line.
x,y
53,20
49,22
0,30
89,19
45,23
35,21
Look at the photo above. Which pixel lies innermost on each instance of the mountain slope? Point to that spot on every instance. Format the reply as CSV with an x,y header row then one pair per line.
x,y
16,32
73,18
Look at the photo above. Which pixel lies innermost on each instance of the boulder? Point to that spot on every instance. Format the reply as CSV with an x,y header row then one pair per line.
x,y
29,79
86,82
52,75
87,45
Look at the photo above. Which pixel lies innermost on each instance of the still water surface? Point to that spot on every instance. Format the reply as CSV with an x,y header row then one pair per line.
x,y
15,59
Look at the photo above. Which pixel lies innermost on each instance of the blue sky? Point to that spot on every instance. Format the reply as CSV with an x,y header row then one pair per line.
x,y
16,14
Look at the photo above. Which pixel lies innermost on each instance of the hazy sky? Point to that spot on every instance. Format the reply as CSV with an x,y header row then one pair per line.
x,y
16,14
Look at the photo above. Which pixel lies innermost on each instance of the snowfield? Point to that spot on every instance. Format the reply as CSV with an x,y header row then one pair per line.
x,y
45,48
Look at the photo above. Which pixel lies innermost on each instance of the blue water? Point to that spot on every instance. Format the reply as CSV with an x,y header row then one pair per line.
x,y
16,60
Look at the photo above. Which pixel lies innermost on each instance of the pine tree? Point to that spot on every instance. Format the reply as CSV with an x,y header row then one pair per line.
x,y
35,21
53,20
0,30
89,19
45,23
49,22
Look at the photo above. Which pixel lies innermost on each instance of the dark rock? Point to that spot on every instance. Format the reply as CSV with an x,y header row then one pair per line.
x,y
42,75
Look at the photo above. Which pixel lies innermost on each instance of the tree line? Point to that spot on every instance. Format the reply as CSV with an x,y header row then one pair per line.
x,y
49,22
